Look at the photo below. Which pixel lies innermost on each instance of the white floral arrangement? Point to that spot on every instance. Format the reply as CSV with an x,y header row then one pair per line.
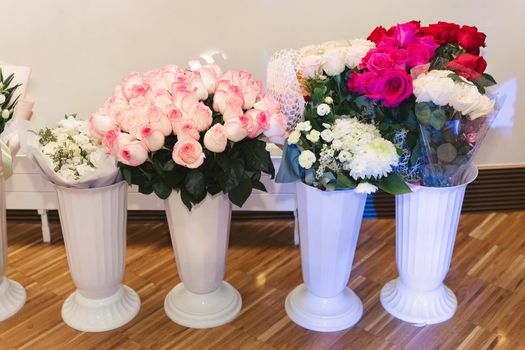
x,y
70,155
439,87
332,57
343,155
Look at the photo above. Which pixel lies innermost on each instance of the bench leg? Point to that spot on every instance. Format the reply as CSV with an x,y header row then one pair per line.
x,y
46,233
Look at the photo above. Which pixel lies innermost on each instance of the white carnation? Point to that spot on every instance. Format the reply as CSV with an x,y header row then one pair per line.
x,y
435,87
323,109
354,54
307,159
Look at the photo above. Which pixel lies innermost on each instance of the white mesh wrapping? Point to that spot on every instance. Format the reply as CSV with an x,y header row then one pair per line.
x,y
284,87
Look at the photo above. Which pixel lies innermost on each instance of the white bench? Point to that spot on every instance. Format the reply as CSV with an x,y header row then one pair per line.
x,y
28,190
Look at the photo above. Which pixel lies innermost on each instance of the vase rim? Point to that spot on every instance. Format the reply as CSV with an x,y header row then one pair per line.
x,y
94,189
471,174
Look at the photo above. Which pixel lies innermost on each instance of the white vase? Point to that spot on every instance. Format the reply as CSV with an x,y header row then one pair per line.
x,y
12,294
200,241
329,224
94,228
426,226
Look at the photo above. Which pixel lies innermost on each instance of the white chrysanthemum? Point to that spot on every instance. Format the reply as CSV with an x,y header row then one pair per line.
x,y
307,159
365,187
374,159
294,137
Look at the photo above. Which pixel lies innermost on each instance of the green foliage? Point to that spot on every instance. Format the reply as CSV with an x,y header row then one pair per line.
x,y
236,171
7,91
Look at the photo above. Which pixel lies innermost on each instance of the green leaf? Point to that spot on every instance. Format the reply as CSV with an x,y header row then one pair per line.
x,y
438,118
162,190
318,95
169,165
393,184
486,80
416,154
259,186
423,112
186,198
235,175
195,184
344,181
126,173
240,194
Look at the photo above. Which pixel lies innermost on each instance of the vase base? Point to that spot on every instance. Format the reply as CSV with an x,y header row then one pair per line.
x,y
418,308
203,310
12,297
100,315
323,314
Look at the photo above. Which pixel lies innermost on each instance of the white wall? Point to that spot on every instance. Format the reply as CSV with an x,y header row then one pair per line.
x,y
80,49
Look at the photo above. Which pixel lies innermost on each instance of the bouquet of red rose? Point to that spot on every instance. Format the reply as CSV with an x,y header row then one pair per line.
x,y
425,88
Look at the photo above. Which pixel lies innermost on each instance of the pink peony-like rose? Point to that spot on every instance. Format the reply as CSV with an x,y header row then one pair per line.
x,y
187,152
237,129
260,122
215,139
186,128
133,154
152,138
100,124
276,131
395,86
201,115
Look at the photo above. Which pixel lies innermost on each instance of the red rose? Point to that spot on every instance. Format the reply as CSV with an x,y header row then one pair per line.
x,y
395,86
471,39
442,32
468,66
377,34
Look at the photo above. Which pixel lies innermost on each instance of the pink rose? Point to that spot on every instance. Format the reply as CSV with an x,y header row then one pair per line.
x,y
183,97
268,104
186,128
100,124
196,84
260,122
129,82
134,153
175,117
237,129
276,133
188,153
215,139
138,102
395,86
162,99
405,33
153,139
367,83
399,58
421,51
159,121
228,101
124,139
201,115
210,75
109,139
378,62
251,89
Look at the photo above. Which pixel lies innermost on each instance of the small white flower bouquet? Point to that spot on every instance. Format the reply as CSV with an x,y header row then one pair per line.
x,y
70,156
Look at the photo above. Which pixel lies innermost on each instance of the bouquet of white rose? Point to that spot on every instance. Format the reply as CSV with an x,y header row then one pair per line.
x,y
70,156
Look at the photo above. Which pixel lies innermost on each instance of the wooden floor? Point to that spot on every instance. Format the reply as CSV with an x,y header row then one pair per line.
x,y
488,270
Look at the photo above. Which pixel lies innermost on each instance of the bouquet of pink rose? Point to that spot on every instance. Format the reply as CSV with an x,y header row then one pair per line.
x,y
196,131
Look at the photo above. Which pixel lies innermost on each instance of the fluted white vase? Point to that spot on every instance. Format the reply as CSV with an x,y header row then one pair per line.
x,y
12,294
426,225
94,228
329,224
200,241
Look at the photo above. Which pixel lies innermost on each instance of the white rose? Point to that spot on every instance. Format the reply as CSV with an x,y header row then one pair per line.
x,y
438,90
365,187
2,98
313,136
304,126
483,109
294,137
328,100
333,63
6,114
323,109
307,159
327,135
310,66
354,54
466,99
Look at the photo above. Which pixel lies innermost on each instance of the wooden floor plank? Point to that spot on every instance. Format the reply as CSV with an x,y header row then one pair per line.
x,y
487,275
